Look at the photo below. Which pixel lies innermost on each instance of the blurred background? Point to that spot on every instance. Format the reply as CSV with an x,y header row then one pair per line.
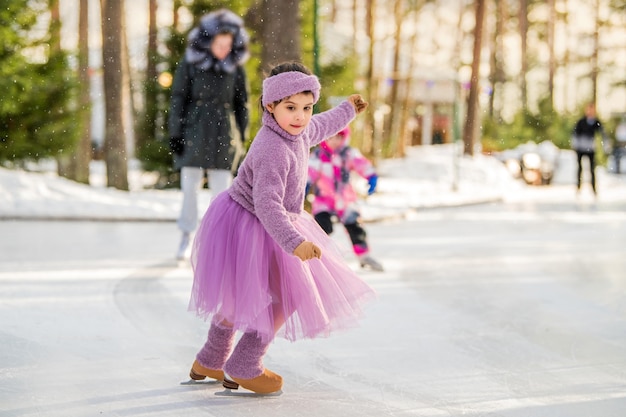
x,y
89,80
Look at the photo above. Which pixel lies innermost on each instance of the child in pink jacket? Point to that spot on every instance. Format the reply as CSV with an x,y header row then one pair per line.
x,y
330,166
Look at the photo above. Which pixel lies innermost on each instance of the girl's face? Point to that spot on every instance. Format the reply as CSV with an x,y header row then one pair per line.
x,y
294,113
334,142
221,45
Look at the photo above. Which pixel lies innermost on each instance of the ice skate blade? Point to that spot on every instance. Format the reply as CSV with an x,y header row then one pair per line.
x,y
369,263
372,268
251,394
228,384
201,382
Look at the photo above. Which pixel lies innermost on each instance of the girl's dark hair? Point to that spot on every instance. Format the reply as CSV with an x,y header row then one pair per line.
x,y
289,66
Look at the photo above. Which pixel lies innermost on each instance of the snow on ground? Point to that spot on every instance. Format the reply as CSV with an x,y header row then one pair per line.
x,y
429,176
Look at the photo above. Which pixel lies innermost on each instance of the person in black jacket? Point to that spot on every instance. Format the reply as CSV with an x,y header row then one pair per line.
x,y
583,142
208,112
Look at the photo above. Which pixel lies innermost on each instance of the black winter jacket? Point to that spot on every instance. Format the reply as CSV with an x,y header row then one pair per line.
x,y
584,134
204,110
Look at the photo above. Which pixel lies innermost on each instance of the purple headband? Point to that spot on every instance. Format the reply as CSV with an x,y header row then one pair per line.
x,y
286,84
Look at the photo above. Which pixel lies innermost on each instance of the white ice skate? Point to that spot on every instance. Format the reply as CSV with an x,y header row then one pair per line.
x,y
184,245
367,262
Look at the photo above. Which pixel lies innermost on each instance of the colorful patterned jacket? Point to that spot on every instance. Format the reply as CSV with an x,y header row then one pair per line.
x,y
329,177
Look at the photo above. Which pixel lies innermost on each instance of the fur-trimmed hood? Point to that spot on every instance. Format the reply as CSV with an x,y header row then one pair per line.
x,y
198,50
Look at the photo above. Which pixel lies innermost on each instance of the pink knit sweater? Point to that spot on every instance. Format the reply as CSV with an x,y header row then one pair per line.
x,y
271,180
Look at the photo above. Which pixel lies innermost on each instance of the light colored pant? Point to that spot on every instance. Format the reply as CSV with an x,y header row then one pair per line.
x,y
191,183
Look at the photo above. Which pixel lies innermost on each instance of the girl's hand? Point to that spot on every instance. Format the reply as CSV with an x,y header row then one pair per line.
x,y
357,101
307,250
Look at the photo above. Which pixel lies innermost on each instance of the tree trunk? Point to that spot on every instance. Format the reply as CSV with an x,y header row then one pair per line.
x,y
493,61
568,91
150,103
128,102
407,100
114,143
523,33
594,55
552,58
280,32
145,129
497,76
460,96
63,160
355,25
175,14
79,167
55,25
472,105
372,86
390,130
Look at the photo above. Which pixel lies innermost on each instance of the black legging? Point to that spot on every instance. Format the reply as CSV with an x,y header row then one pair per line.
x,y
591,156
355,231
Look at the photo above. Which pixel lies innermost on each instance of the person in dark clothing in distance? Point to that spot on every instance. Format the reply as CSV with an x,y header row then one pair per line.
x,y
584,143
208,105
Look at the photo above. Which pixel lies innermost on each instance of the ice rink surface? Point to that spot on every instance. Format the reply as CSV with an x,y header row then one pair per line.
x,y
510,309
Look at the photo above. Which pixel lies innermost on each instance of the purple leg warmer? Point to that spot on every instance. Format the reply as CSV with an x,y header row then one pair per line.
x,y
246,362
217,348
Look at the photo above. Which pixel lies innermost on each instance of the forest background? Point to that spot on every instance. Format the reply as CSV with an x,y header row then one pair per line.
x,y
88,79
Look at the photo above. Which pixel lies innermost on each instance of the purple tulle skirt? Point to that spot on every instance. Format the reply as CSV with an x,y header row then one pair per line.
x,y
242,276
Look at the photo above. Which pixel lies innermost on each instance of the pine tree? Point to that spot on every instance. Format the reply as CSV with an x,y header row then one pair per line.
x,y
37,113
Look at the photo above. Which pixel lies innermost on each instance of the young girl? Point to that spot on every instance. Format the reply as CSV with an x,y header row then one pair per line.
x,y
261,264
330,166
